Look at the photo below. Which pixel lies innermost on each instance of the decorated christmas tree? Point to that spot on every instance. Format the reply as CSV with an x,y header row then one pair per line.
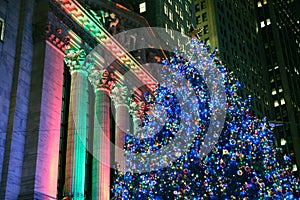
x,y
244,163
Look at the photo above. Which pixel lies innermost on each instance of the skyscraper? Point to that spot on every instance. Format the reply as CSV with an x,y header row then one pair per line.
x,y
259,42
280,31
231,27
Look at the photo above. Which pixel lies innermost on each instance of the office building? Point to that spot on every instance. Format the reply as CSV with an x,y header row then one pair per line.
x,y
254,39
280,33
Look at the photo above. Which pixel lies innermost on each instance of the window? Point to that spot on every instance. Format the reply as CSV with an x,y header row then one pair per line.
x,y
205,29
176,8
198,19
268,21
170,2
276,104
182,30
1,29
186,8
170,15
259,4
143,7
273,91
197,7
262,24
166,9
282,141
265,2
282,101
181,15
171,34
204,17
203,5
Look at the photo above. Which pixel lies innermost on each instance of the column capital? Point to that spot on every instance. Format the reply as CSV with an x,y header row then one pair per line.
x,y
136,109
119,95
76,60
102,79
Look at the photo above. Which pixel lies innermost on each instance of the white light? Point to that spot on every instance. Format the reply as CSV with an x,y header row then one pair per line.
x,y
268,21
273,92
276,104
282,142
143,7
282,101
259,4
295,168
262,24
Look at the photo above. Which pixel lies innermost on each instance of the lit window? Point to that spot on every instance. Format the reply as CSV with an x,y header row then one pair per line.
x,y
259,4
276,104
181,15
170,2
182,30
262,24
276,67
273,92
265,2
166,26
177,24
280,89
186,8
166,9
176,8
143,7
282,141
268,21
272,80
172,34
282,101
170,15
294,168
1,29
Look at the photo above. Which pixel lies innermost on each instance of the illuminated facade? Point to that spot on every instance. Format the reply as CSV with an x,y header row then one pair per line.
x,y
57,108
231,27
280,32
259,41
57,120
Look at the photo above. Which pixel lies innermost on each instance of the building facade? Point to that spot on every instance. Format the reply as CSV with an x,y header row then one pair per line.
x,y
280,30
254,39
232,28
62,126
48,80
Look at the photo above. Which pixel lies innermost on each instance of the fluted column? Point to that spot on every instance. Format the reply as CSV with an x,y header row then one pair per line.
x,y
136,111
77,126
103,82
120,98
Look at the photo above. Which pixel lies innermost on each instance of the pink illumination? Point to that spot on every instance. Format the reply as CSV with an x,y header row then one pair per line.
x,y
49,134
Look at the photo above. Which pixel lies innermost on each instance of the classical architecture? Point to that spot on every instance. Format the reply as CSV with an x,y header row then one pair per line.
x,y
65,110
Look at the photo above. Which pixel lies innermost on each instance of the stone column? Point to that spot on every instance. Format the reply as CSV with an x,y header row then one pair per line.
x,y
120,99
102,81
136,111
77,126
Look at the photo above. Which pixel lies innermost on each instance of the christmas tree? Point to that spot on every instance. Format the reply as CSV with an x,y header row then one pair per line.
x,y
243,164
